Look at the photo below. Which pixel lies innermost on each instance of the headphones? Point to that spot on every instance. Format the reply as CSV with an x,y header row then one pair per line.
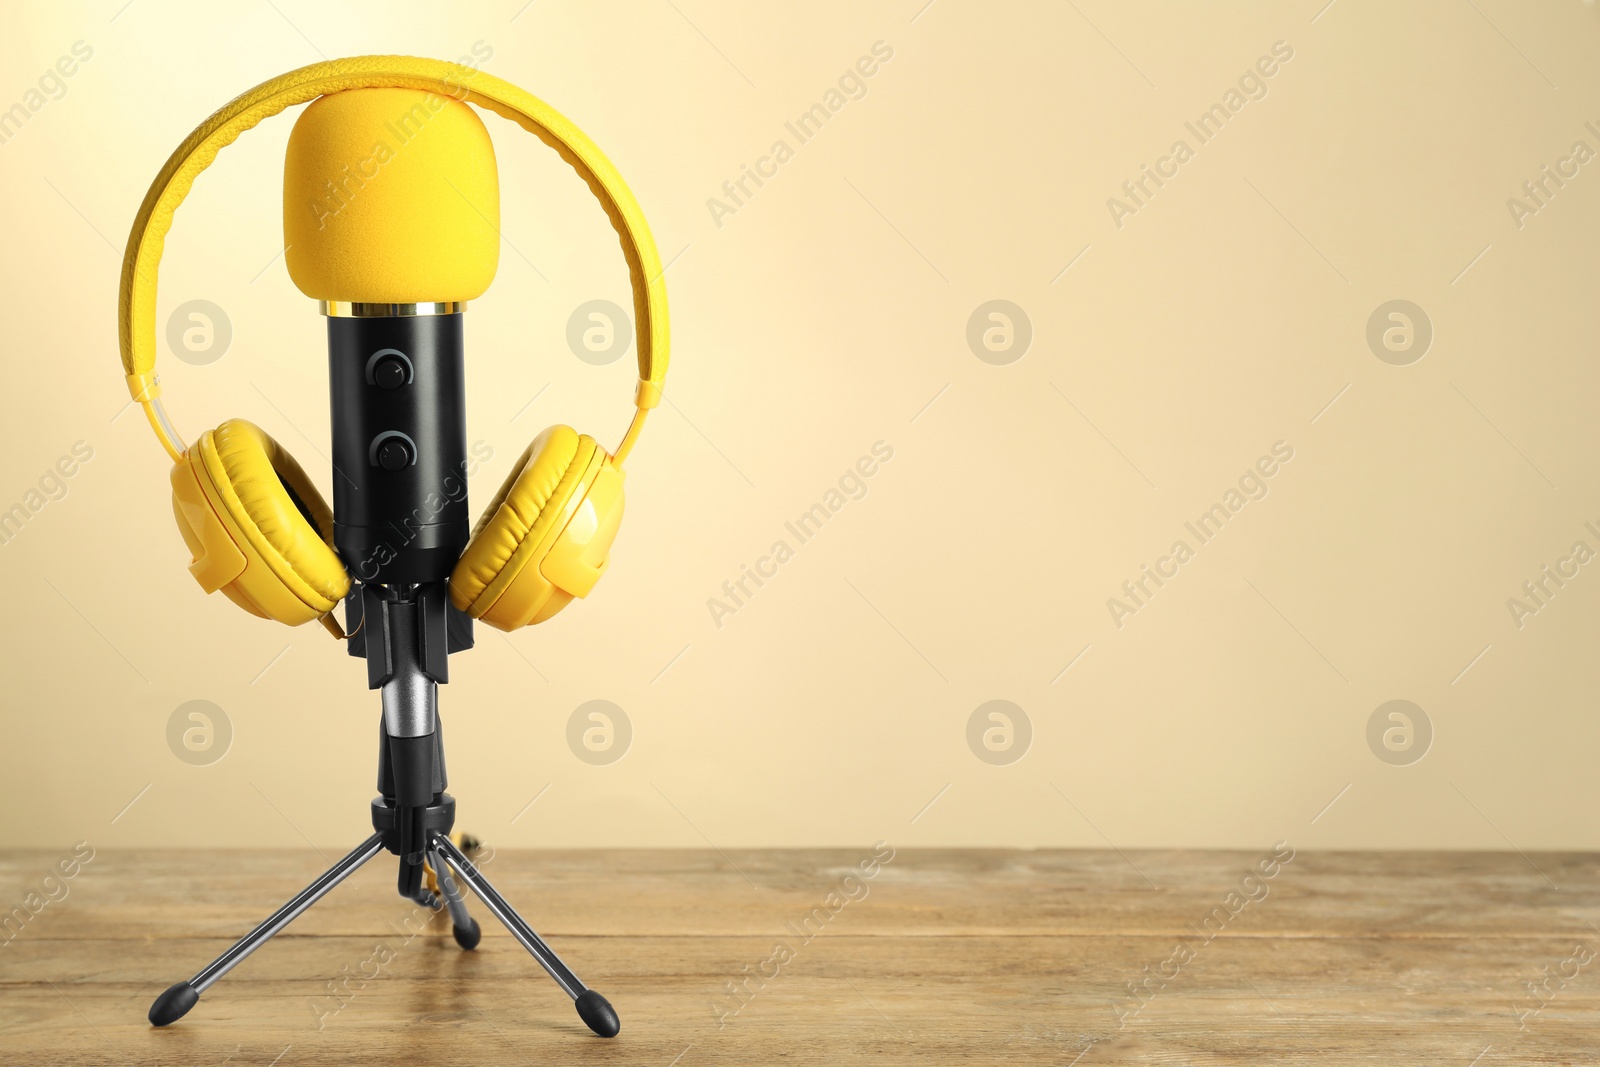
x,y
255,524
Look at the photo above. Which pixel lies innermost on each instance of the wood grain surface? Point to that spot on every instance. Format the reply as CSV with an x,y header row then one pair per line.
x,y
942,956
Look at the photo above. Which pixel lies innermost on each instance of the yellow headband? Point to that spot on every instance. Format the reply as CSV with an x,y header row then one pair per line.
x,y
136,307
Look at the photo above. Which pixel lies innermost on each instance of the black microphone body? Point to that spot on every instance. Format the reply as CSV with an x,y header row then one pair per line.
x,y
398,407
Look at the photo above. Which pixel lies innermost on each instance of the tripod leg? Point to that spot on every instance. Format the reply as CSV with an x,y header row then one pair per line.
x,y
464,926
172,1005
593,1009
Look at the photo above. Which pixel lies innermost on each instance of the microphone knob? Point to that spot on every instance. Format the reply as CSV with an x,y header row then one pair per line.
x,y
390,372
394,454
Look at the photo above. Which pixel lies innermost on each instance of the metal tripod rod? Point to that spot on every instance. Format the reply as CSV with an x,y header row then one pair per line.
x,y
441,844
410,696
452,894
287,914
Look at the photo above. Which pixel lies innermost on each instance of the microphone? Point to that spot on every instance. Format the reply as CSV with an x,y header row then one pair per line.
x,y
391,209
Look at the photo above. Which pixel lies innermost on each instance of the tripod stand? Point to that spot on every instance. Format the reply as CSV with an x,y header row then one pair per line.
x,y
411,634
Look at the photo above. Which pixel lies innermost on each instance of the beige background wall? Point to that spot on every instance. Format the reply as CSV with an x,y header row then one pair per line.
x,y
830,312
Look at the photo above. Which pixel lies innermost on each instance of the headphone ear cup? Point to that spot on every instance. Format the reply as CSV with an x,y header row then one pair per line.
x,y
256,525
541,541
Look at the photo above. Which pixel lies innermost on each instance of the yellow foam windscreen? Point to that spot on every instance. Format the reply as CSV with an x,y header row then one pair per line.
x,y
391,196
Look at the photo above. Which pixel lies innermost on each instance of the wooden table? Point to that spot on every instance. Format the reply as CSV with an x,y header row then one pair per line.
x,y
945,956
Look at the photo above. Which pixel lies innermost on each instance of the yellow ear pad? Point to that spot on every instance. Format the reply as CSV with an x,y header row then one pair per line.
x,y
246,510
545,537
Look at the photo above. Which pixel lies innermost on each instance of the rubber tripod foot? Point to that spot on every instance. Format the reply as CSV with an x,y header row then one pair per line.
x,y
468,936
175,1003
597,1014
